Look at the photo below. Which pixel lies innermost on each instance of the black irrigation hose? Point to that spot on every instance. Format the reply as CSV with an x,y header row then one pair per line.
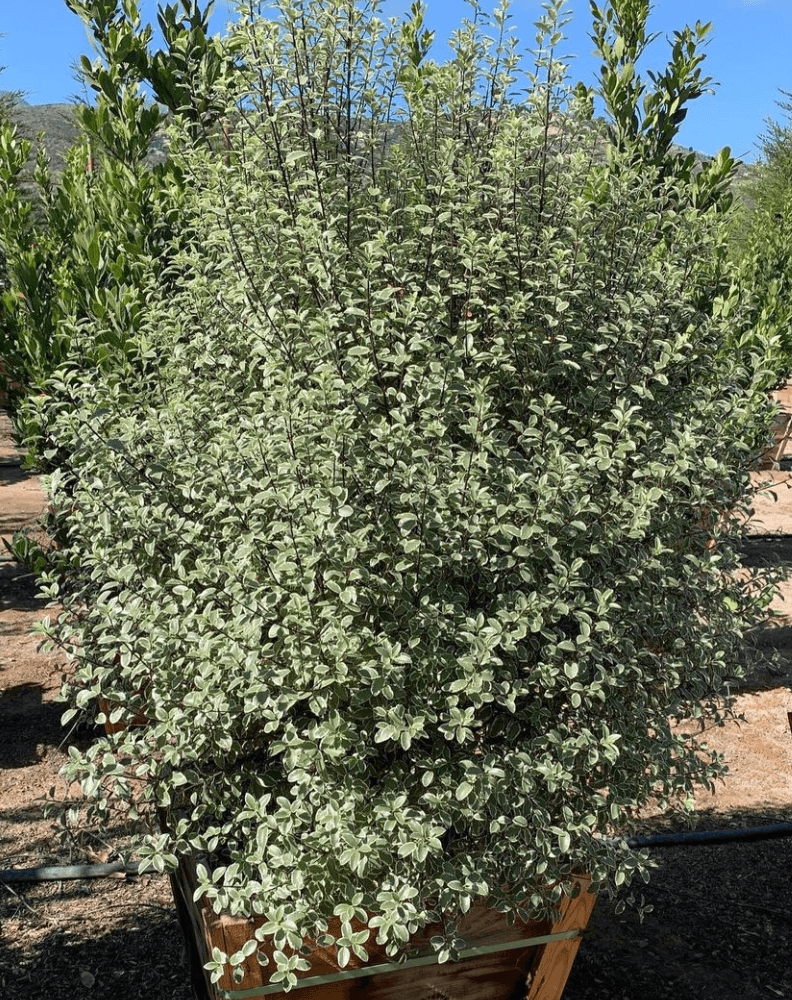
x,y
59,873
692,838
687,838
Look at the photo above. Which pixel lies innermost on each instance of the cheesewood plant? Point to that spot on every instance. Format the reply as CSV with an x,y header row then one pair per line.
x,y
408,527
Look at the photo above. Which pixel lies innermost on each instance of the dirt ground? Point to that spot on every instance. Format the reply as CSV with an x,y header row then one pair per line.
x,y
721,927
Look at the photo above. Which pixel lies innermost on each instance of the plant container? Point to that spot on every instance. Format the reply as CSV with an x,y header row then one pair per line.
x,y
137,722
524,961
527,961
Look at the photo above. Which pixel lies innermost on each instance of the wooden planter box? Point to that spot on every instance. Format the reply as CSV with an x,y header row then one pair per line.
x,y
523,962
137,722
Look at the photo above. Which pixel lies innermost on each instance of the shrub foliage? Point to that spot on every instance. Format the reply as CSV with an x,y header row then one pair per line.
x,y
407,527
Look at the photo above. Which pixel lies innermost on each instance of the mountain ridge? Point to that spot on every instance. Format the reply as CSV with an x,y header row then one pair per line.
x,y
57,124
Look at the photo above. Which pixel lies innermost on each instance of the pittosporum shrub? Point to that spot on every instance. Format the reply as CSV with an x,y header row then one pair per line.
x,y
409,530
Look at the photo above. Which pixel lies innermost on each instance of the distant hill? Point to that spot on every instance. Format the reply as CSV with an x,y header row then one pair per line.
x,y
56,121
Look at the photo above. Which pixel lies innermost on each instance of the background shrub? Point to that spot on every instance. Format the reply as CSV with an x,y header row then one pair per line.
x,y
760,241
82,249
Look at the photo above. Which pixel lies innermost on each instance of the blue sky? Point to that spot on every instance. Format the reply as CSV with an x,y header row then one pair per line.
x,y
749,54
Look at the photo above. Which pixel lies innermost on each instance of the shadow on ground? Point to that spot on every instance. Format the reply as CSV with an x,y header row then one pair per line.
x,y
144,959
721,927
767,656
28,724
18,586
759,551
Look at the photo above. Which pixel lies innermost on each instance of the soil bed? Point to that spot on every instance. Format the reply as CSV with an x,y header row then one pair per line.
x,y
721,927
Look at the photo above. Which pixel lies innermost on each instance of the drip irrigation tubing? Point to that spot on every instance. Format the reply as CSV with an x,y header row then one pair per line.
x,y
693,838
61,873
686,838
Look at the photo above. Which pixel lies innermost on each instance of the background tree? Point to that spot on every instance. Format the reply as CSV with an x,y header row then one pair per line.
x,y
107,223
771,185
182,77
760,236
9,101
645,113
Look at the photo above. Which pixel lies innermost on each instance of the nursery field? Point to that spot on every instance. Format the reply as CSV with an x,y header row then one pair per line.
x,y
721,927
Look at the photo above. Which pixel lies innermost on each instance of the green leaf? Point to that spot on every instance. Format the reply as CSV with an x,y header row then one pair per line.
x,y
463,790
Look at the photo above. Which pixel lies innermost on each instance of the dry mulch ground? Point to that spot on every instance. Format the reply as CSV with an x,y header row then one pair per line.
x,y
721,927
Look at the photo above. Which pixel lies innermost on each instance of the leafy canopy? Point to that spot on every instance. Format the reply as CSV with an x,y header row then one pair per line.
x,y
406,525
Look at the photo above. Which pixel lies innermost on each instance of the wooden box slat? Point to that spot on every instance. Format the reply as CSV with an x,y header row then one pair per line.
x,y
551,969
